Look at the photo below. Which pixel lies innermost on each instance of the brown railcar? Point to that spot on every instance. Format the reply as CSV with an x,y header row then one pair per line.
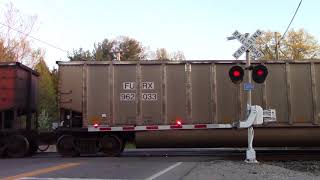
x,y
106,103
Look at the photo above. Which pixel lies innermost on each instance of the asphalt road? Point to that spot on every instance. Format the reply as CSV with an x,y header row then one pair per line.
x,y
134,164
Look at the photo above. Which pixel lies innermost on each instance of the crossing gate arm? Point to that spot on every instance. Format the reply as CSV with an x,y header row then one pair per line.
x,y
256,116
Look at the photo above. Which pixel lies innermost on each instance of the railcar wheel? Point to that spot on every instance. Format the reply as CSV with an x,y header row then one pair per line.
x,y
111,145
43,148
17,146
66,146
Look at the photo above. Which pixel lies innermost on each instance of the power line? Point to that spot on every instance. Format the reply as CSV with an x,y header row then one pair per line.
x,y
290,22
27,35
37,39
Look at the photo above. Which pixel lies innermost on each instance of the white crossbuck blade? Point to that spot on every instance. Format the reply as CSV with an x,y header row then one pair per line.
x,y
248,43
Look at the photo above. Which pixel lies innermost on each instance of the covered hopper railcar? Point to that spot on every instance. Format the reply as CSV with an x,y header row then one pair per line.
x,y
103,104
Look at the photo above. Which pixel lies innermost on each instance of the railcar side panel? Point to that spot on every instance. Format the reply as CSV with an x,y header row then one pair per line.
x,y
301,93
316,90
201,105
176,93
70,84
276,91
228,100
125,92
139,93
151,95
98,97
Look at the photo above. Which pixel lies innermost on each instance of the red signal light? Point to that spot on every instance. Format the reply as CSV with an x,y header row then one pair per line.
x,y
96,125
179,123
236,74
259,73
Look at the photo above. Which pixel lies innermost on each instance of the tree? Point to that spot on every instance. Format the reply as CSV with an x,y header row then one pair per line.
x,y
14,45
80,55
178,56
300,45
125,49
128,48
296,45
103,51
47,107
162,54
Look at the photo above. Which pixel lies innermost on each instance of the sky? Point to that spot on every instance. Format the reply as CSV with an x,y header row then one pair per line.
x,y
199,28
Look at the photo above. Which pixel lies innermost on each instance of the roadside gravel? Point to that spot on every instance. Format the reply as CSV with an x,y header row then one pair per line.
x,y
219,170
312,167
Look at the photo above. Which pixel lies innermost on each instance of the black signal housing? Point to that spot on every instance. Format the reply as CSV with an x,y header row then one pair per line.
x,y
236,74
259,73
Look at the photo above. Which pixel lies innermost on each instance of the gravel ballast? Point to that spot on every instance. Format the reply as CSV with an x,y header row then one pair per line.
x,y
217,170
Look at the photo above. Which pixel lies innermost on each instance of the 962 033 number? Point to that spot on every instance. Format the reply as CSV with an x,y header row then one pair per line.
x,y
149,96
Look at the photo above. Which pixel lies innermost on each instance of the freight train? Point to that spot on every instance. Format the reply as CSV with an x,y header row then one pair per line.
x,y
159,104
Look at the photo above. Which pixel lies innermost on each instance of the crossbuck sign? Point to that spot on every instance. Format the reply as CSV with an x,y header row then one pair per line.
x,y
247,44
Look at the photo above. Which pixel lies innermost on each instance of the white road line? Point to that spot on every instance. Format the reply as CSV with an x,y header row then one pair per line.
x,y
158,174
164,171
36,178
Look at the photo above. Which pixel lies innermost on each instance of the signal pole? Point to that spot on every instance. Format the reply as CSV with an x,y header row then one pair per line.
x,y
248,64
248,44
250,153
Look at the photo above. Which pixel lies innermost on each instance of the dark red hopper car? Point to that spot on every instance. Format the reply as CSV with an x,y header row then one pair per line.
x,y
15,86
18,109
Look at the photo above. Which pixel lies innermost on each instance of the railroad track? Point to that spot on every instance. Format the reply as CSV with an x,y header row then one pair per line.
x,y
227,154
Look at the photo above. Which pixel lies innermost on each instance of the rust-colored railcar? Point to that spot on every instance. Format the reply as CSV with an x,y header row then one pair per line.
x,y
18,109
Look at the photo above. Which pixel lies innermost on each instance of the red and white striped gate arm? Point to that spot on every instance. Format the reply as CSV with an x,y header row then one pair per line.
x,y
97,128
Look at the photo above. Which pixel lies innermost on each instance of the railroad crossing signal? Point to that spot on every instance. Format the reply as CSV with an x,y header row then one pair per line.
x,y
248,43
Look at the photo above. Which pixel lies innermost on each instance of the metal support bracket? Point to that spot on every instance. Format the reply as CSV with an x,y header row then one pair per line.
x,y
255,117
